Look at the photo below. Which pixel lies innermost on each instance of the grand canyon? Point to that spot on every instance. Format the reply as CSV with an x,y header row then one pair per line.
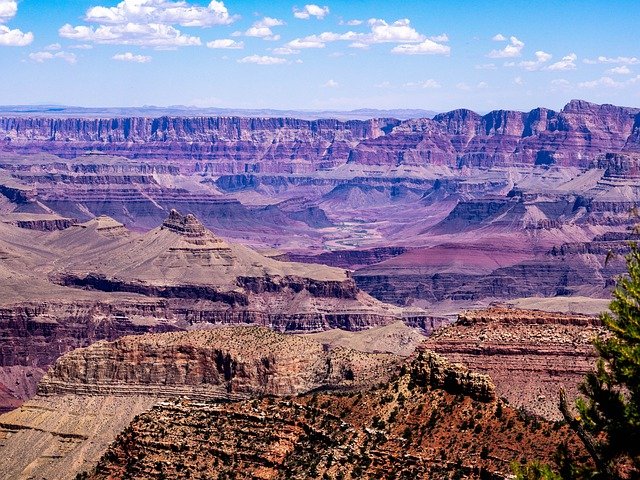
x,y
271,297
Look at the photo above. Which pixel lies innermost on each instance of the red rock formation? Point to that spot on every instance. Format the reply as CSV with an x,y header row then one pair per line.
x,y
529,354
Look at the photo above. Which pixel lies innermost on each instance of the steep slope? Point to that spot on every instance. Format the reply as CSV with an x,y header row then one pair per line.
x,y
179,276
222,144
224,363
91,394
433,421
529,354
182,259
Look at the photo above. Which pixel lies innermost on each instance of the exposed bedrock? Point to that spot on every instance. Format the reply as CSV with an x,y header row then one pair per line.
x,y
217,144
572,137
35,334
347,258
620,166
43,223
76,412
529,354
401,288
223,363
576,268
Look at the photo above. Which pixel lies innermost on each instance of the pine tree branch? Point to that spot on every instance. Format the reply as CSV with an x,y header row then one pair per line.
x,y
588,441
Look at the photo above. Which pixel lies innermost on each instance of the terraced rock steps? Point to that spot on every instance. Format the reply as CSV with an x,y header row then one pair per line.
x,y
408,428
529,354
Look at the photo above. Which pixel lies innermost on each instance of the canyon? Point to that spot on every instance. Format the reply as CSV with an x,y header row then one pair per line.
x,y
374,412
424,210
186,296
97,280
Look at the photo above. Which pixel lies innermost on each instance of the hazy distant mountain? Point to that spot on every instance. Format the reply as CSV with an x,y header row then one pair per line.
x,y
181,110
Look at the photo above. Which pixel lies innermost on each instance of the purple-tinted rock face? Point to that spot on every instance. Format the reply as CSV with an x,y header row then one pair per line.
x,y
573,137
217,144
228,145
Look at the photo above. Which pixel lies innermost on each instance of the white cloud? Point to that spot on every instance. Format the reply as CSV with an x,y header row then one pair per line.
x,y
512,49
152,35
12,37
225,43
498,37
601,82
518,81
161,11
331,83
482,85
82,46
443,37
463,86
430,83
427,47
568,62
8,10
262,28
53,47
269,22
385,84
298,43
541,59
41,57
147,23
351,23
399,31
262,60
620,70
130,57
615,60
15,37
309,11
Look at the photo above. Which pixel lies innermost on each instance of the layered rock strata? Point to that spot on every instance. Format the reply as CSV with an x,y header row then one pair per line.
x,y
529,354
225,363
183,260
91,394
408,428
571,137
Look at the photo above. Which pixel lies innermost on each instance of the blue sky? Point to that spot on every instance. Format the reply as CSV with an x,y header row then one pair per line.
x,y
437,55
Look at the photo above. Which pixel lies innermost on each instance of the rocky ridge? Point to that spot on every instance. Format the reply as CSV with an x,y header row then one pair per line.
x,y
179,276
350,193
570,137
425,418
133,373
529,354
224,363
407,428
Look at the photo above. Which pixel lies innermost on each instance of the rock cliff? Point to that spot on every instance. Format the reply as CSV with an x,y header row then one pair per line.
x,y
406,428
183,260
114,381
529,354
218,144
571,137
223,363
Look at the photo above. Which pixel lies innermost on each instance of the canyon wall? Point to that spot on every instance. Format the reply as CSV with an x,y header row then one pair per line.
x,y
574,136
529,354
